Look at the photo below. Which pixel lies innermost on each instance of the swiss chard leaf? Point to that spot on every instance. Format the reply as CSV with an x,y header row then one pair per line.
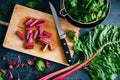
x,y
107,63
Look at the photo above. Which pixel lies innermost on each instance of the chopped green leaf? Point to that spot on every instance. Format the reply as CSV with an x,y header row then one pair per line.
x,y
31,4
1,76
40,66
72,36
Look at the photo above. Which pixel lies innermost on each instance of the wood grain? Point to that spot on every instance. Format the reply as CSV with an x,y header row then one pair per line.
x,y
12,41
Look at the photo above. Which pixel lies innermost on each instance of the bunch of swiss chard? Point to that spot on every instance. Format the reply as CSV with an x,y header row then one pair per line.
x,y
104,39
87,10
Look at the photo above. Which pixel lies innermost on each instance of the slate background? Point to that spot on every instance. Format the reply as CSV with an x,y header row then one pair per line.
x,y
113,18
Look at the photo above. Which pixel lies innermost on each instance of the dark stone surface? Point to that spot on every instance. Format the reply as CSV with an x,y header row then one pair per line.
x,y
113,18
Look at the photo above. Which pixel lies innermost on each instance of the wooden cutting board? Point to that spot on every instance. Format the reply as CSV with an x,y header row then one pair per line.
x,y
12,41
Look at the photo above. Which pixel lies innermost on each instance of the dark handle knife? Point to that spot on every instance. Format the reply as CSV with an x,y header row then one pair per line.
x,y
66,51
61,34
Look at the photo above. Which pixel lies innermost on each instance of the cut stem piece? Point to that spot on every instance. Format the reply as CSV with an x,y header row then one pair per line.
x,y
45,48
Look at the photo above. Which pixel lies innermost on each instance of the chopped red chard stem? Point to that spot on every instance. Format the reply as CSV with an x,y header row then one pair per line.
x,y
40,30
3,58
10,76
35,34
34,22
43,36
28,34
17,66
10,66
29,28
47,34
22,65
50,46
30,62
30,37
45,40
28,45
34,58
11,63
3,71
45,48
28,21
40,23
19,59
47,64
21,36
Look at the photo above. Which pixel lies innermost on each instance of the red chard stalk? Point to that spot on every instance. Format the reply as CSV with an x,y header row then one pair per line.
x,y
30,38
28,45
21,36
47,34
28,34
28,21
40,23
35,34
34,22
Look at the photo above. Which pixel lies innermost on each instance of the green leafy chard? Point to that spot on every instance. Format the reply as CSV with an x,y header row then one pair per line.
x,y
105,38
87,10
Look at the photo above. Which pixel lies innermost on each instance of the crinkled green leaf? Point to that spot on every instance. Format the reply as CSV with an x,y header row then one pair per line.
x,y
107,61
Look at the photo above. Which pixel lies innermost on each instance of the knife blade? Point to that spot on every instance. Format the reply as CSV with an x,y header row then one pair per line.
x,y
62,34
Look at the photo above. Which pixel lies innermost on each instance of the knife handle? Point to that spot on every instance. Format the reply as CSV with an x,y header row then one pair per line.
x,y
66,51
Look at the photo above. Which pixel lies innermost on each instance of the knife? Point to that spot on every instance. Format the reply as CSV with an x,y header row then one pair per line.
x,y
62,34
